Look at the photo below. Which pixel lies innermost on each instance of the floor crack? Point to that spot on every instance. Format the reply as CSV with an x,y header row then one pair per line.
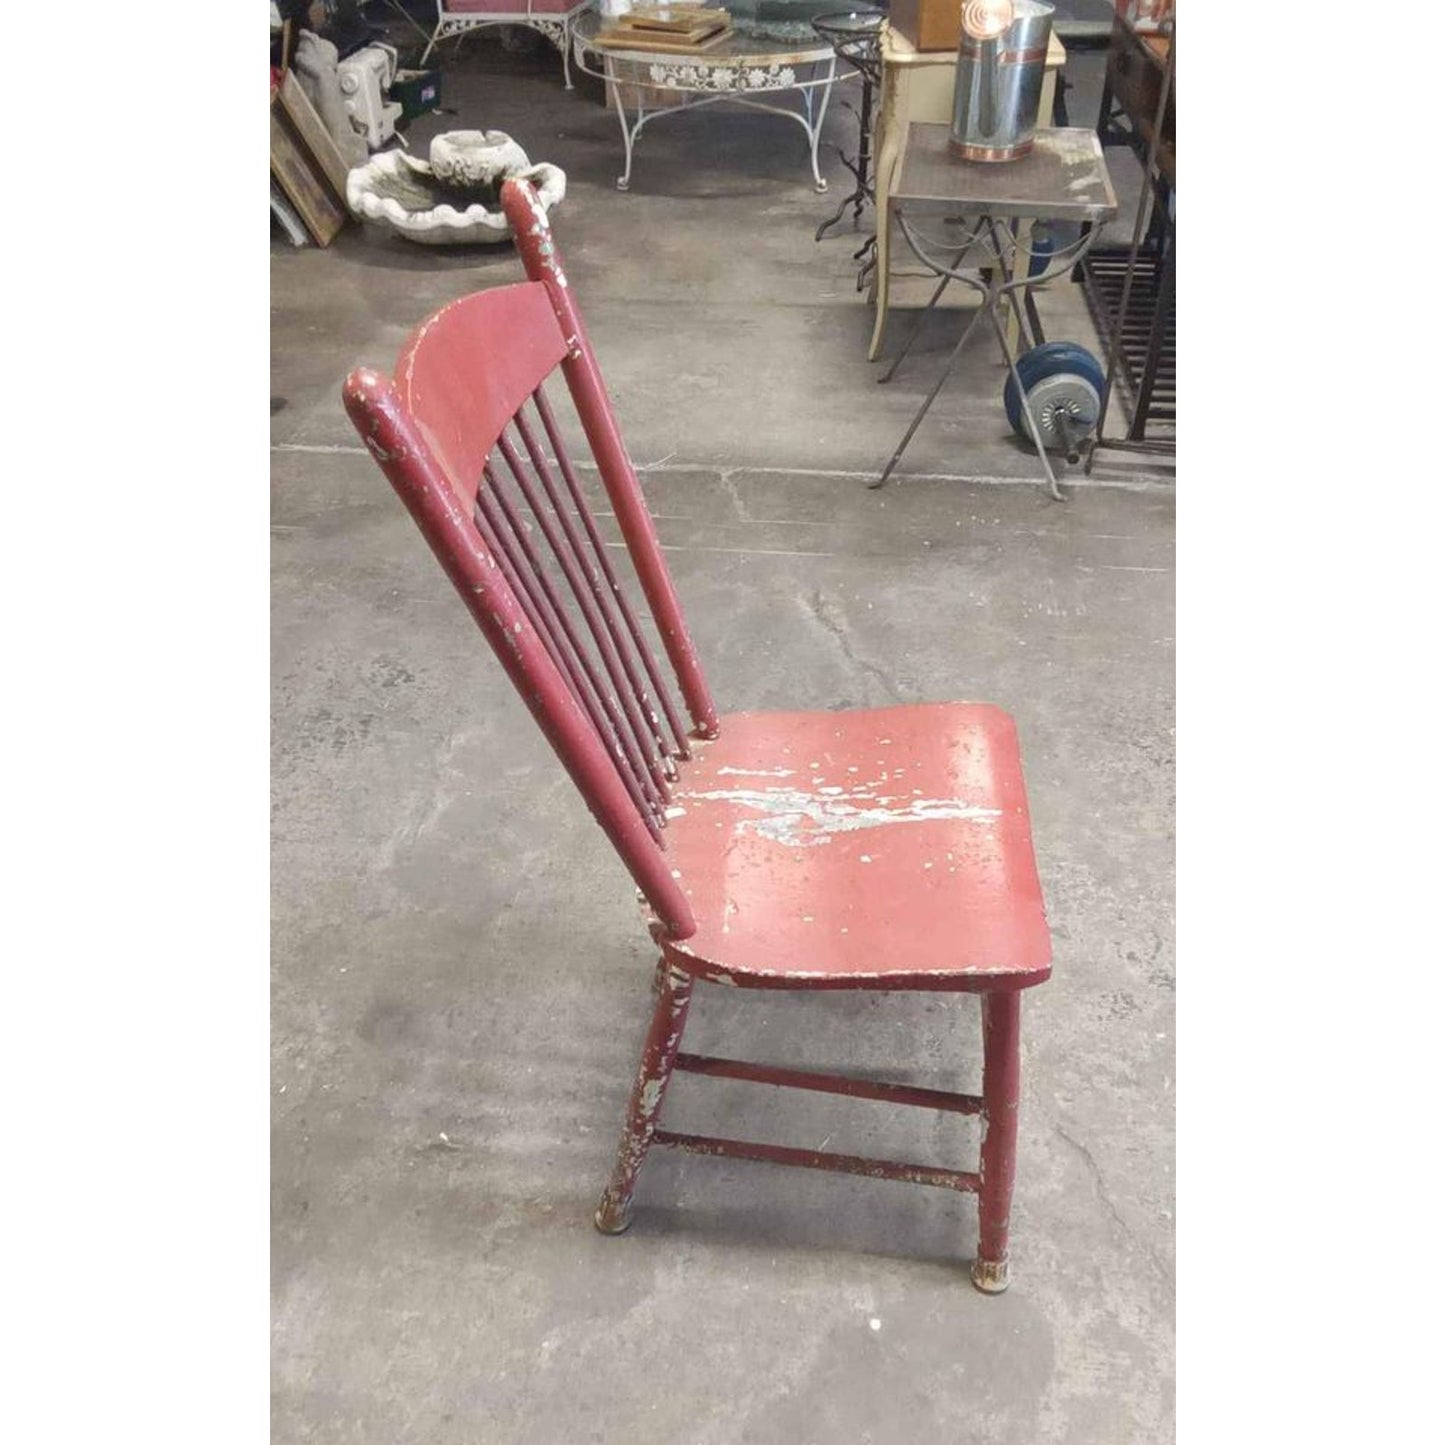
x,y
725,476
1104,1198
1098,1177
820,610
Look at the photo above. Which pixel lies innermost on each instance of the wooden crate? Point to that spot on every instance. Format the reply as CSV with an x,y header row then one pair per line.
x,y
929,24
306,163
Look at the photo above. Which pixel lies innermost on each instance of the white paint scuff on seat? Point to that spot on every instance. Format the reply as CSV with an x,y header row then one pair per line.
x,y
804,820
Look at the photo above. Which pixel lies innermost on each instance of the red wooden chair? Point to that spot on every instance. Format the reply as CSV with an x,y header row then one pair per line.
x,y
878,849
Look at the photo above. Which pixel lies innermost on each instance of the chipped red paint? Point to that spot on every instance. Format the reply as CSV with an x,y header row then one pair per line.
x,y
585,580
673,993
504,532
883,849
830,1084
459,407
539,257
608,576
819,1159
622,719
812,845
436,505
1000,1138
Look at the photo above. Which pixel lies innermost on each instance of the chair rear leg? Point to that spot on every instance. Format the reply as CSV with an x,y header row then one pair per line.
x,y
1000,1138
673,992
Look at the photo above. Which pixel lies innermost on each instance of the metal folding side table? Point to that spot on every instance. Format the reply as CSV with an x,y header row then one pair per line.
x,y
1062,179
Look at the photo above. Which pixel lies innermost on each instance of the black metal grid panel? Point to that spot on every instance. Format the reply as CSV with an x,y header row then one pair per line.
x,y
1147,345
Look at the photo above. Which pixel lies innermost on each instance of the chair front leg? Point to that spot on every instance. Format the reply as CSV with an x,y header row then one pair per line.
x,y
1000,1138
673,992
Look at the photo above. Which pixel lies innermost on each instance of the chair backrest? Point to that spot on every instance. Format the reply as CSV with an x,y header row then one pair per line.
x,y
465,433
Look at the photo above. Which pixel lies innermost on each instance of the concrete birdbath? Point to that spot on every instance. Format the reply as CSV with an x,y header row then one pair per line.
x,y
454,197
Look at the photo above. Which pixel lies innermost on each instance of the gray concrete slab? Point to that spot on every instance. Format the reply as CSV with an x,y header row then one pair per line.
x,y
460,982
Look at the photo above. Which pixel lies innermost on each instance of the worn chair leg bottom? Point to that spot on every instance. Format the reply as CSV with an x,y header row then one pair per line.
x,y
611,1220
998,1105
1000,1139
990,1277
672,991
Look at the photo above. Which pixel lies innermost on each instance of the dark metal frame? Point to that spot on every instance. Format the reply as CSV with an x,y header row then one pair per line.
x,y
1137,311
996,284
856,38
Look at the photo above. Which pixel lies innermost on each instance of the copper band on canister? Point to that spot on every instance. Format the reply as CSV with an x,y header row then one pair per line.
x,y
990,153
1007,57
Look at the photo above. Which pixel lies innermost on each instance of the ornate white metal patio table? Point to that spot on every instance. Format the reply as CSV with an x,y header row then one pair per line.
x,y
750,63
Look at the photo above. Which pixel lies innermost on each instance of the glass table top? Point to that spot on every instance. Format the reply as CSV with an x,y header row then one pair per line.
x,y
778,30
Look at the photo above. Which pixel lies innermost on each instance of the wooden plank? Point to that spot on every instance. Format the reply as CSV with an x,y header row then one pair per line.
x,y
670,45
285,213
675,14
301,181
690,36
689,19
313,134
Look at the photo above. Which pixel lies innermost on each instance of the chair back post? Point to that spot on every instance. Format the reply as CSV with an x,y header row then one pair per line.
x,y
584,381
403,455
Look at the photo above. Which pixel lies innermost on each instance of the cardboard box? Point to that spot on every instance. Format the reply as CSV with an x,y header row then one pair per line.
x,y
929,24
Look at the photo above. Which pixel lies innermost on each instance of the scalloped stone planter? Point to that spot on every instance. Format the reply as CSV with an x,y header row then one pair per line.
x,y
453,197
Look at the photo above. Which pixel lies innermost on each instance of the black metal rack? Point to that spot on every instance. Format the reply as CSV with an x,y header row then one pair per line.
x,y
1146,360
1130,289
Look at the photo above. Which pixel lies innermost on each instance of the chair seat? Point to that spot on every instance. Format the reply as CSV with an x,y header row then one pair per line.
x,y
886,848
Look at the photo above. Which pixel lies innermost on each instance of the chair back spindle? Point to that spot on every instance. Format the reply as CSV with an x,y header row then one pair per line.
x,y
500,500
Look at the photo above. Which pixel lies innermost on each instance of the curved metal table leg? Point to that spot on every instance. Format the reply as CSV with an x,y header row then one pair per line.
x,y
625,179
938,291
985,305
834,218
815,128
810,116
1025,408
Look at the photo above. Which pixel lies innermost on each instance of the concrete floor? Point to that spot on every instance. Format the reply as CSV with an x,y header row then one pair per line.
x,y
460,983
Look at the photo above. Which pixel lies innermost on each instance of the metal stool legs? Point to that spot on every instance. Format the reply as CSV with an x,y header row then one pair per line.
x,y
997,286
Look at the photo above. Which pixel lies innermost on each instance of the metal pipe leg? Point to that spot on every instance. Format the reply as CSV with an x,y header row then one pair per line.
x,y
673,990
865,129
1036,322
814,124
835,217
1007,260
987,304
1000,1139
938,291
628,133
1027,410
914,334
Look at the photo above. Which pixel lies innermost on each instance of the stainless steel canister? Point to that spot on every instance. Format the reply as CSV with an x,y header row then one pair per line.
x,y
1000,78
